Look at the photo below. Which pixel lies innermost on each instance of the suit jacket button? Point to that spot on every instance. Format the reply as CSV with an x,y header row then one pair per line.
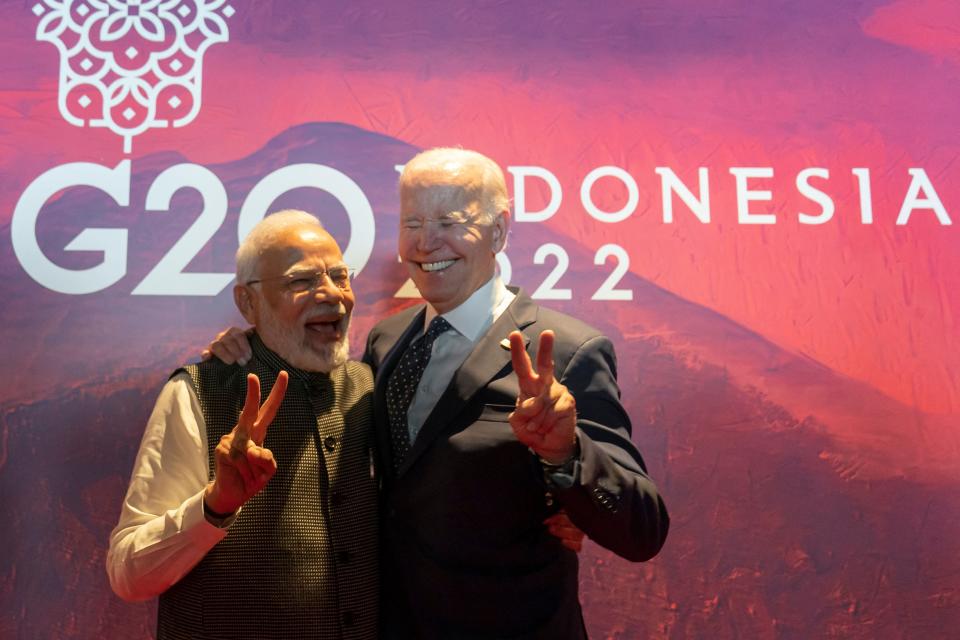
x,y
330,443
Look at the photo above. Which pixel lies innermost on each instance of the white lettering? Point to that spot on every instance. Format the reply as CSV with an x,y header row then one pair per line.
x,y
111,242
168,278
670,184
866,201
745,196
810,192
930,200
520,174
633,194
608,290
546,290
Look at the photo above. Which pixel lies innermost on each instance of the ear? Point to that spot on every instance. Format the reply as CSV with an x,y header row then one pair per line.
x,y
501,225
245,303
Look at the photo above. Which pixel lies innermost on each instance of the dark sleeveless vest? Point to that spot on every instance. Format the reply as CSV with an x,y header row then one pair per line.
x,y
300,560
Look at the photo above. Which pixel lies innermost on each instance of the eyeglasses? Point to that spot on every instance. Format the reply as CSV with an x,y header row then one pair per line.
x,y
312,280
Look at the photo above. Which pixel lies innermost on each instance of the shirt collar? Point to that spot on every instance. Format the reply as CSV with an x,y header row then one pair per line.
x,y
475,315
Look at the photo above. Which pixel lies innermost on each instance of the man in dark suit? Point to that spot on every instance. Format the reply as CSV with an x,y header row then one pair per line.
x,y
478,450
476,447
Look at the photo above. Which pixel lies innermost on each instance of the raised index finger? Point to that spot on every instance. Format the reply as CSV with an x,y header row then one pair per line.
x,y
251,407
545,358
518,354
269,409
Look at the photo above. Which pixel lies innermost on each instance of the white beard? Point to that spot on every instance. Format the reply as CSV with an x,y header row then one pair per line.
x,y
290,342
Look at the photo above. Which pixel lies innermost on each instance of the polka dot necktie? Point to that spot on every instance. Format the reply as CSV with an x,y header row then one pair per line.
x,y
403,385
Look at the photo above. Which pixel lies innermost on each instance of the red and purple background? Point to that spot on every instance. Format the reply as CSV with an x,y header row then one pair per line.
x,y
794,388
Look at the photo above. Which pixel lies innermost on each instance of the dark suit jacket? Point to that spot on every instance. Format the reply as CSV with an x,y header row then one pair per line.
x,y
465,552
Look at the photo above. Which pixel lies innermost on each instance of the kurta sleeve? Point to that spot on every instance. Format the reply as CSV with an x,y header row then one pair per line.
x,y
162,533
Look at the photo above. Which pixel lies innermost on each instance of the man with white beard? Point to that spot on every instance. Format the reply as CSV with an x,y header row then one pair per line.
x,y
246,532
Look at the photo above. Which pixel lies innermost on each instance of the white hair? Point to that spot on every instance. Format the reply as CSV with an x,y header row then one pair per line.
x,y
493,189
263,235
291,345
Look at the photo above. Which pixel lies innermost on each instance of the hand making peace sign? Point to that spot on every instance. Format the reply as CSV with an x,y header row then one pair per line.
x,y
243,465
546,415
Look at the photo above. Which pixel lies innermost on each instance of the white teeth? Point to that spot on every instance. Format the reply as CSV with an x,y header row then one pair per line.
x,y
436,266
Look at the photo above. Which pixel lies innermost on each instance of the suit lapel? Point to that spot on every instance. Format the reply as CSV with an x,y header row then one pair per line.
x,y
486,360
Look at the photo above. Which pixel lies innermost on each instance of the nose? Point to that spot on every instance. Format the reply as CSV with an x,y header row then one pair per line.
x,y
428,238
328,291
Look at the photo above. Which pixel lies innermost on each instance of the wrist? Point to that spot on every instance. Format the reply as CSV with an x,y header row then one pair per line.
x,y
559,474
213,506
562,457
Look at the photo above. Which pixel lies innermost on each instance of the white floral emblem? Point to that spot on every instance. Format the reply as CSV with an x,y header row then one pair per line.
x,y
130,65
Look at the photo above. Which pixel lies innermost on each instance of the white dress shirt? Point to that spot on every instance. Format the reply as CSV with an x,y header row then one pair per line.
x,y
162,533
470,322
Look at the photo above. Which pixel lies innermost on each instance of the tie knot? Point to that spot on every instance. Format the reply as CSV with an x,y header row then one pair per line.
x,y
437,326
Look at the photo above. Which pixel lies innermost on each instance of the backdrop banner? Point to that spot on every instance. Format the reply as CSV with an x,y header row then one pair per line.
x,y
757,201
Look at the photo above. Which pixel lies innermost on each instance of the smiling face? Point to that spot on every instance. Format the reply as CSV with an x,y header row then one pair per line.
x,y
446,241
307,328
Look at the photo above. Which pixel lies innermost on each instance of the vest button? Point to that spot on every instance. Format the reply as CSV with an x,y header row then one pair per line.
x,y
336,498
330,443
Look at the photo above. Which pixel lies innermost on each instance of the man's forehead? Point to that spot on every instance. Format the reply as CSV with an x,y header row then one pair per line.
x,y
439,203
289,255
441,192
301,246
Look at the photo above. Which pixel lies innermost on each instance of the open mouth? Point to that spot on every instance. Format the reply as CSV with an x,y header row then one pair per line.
x,y
328,328
436,266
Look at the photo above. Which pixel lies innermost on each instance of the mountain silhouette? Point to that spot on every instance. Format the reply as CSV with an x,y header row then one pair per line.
x,y
803,503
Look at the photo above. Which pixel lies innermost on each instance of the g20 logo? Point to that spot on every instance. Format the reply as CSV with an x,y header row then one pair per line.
x,y
168,276
132,65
